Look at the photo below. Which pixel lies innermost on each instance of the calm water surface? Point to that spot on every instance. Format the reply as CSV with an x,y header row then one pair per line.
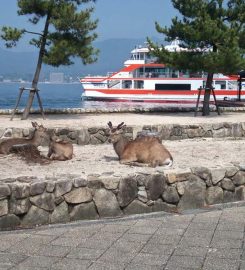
x,y
61,96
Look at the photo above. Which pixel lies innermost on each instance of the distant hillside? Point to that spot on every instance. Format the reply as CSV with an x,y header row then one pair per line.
x,y
113,52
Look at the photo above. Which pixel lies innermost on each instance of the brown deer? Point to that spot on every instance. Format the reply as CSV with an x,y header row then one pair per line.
x,y
147,150
60,149
40,133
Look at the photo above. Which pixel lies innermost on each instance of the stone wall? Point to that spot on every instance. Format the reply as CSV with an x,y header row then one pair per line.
x,y
98,135
26,201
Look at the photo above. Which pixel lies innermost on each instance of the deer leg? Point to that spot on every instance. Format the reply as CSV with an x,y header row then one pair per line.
x,y
126,161
58,157
50,152
133,163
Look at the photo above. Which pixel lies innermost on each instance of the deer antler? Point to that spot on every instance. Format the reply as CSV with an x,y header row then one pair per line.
x,y
120,125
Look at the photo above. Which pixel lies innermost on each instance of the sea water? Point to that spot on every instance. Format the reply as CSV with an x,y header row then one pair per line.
x,y
52,95
67,95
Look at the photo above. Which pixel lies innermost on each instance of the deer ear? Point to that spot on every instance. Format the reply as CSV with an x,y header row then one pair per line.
x,y
34,124
109,124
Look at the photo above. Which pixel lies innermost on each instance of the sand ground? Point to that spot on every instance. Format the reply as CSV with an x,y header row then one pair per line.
x,y
101,119
98,159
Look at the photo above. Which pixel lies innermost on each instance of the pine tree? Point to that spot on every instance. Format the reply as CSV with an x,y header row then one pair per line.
x,y
68,32
217,28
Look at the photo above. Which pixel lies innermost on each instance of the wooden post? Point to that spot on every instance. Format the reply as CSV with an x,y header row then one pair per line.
x,y
21,89
198,100
17,103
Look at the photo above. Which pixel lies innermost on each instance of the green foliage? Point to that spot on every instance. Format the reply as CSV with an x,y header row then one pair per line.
x,y
69,30
216,27
11,36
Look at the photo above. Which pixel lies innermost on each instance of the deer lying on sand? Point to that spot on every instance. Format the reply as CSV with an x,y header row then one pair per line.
x,y
60,149
147,150
40,133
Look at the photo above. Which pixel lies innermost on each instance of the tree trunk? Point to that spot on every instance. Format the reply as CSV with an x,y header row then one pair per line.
x,y
38,70
207,93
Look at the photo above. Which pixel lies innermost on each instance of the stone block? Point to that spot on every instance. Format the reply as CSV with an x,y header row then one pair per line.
x,y
20,191
240,193
111,182
37,188
62,187
159,206
195,132
9,222
229,196
214,195
142,195
155,186
137,207
217,175
194,196
19,207
181,187
60,214
79,182
231,171
165,132
202,172
84,211
3,207
50,186
35,216
4,191
178,176
83,137
170,195
44,201
106,203
217,126
239,178
236,130
78,195
222,133
227,184
127,191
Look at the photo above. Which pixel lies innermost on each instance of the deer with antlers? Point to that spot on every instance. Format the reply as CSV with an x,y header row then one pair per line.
x,y
147,151
40,133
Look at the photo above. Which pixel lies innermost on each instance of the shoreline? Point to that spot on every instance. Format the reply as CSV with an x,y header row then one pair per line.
x,y
153,109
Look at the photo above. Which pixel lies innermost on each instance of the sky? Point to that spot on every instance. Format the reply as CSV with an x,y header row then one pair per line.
x,y
117,18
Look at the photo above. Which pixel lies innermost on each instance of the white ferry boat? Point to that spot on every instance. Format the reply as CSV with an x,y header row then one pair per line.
x,y
142,79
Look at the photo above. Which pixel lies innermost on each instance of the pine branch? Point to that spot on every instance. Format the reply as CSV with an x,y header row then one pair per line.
x,y
35,33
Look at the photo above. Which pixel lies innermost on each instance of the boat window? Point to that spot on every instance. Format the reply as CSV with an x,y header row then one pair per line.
x,y
127,84
220,84
153,72
168,86
232,85
138,84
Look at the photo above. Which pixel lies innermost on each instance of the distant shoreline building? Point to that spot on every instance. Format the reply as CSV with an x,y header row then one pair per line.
x,y
57,77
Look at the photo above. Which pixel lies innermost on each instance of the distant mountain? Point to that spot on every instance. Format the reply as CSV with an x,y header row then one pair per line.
x,y
113,52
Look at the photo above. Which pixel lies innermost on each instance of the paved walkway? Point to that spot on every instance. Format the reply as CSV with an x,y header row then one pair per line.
x,y
210,240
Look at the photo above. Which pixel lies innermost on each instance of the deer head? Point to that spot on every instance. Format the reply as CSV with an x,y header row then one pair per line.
x,y
115,134
40,133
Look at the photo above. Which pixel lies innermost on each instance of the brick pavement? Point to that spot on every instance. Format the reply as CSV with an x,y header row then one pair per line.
x,y
210,240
